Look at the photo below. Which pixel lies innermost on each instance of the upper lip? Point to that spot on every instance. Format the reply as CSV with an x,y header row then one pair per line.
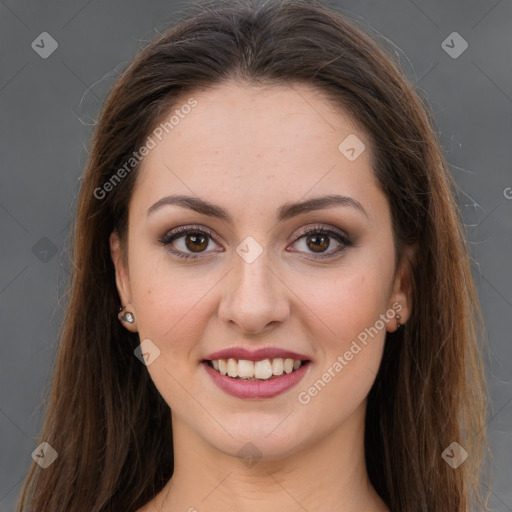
x,y
255,355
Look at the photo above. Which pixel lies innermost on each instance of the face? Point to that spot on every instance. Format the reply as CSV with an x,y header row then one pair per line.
x,y
265,279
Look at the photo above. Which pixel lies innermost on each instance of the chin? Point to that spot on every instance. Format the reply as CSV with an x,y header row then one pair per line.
x,y
259,438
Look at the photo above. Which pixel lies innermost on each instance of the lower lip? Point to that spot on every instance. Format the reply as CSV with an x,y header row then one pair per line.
x,y
255,389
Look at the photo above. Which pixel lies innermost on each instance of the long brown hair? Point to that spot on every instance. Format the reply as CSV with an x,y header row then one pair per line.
x,y
105,418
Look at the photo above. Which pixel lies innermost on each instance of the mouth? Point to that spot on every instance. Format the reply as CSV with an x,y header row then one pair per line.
x,y
255,371
256,375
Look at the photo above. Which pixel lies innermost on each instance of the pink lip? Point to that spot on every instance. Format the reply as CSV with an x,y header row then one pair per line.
x,y
255,389
255,355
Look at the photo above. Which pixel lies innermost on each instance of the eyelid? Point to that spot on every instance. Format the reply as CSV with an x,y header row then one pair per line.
x,y
188,227
320,227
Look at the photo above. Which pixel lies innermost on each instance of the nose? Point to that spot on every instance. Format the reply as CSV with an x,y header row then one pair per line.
x,y
254,297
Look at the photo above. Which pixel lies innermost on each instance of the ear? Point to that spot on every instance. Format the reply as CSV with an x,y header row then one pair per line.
x,y
122,278
401,297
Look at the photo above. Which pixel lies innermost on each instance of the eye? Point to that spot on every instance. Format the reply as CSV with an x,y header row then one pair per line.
x,y
195,239
317,239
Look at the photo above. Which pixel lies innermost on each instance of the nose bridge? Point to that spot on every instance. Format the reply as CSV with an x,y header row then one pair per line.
x,y
254,296
253,270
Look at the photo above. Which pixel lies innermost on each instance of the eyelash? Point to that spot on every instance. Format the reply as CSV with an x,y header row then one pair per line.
x,y
316,230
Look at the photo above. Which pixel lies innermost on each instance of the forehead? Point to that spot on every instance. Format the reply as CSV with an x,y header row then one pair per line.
x,y
249,142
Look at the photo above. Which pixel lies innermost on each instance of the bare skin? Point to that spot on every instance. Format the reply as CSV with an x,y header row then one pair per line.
x,y
250,150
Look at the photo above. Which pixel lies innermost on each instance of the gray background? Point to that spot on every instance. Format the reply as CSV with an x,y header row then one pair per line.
x,y
47,107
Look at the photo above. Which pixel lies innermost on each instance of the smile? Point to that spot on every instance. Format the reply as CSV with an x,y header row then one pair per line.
x,y
256,379
265,369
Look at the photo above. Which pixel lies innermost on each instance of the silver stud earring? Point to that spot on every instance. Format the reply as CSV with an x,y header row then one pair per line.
x,y
398,324
126,317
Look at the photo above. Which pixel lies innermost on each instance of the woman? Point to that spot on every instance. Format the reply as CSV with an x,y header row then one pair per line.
x,y
272,305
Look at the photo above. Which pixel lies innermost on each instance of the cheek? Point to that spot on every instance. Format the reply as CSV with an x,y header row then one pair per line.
x,y
173,309
348,300
350,356
171,302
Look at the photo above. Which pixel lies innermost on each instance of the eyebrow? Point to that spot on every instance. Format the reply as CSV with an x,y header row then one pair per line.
x,y
285,212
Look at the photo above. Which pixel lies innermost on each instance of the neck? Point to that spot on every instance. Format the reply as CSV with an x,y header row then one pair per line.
x,y
329,474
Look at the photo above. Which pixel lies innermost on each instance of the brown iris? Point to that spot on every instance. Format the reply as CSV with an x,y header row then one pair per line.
x,y
196,241
324,241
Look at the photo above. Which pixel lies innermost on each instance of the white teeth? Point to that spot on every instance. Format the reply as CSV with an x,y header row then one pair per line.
x,y
288,365
263,370
245,368
232,368
277,366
